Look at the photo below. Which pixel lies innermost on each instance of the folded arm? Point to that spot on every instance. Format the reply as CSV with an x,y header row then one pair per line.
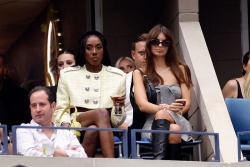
x,y
26,145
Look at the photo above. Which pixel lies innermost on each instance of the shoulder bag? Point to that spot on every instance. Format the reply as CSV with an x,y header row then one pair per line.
x,y
118,115
74,123
150,91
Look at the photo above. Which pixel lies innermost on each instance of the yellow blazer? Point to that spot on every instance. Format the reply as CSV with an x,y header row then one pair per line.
x,y
82,88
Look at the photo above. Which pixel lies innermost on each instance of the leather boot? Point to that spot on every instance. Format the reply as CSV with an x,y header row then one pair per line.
x,y
174,151
160,140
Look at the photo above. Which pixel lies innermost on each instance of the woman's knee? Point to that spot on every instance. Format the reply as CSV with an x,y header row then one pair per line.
x,y
174,138
174,127
102,113
103,118
161,114
94,117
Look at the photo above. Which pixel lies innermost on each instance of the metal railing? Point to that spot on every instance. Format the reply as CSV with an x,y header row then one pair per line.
x,y
5,140
124,135
216,138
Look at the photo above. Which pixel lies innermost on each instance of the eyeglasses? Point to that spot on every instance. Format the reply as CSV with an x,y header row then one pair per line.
x,y
156,42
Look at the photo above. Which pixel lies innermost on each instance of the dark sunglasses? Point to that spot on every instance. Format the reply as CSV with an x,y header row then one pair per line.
x,y
156,42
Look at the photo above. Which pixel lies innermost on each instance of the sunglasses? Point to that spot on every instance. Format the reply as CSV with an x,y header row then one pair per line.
x,y
156,42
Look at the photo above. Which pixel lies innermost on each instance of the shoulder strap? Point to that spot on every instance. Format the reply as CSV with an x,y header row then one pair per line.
x,y
132,82
142,73
132,98
239,94
151,93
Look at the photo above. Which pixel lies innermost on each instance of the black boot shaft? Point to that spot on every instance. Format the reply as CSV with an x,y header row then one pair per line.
x,y
174,151
160,140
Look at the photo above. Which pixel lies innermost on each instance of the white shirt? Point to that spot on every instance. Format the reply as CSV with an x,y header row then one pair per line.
x,y
128,106
29,140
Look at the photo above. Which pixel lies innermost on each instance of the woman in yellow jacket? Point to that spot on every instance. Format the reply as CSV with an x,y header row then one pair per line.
x,y
89,87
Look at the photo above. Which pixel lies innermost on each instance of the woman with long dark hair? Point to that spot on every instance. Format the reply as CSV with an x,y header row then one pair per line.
x,y
237,87
172,80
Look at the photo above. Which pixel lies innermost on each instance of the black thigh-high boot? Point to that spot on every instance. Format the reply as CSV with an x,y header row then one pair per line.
x,y
160,140
174,152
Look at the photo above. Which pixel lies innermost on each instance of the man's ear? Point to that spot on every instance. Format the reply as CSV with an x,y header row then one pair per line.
x,y
53,106
133,54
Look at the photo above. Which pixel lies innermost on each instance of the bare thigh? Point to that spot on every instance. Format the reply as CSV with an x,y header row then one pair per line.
x,y
98,117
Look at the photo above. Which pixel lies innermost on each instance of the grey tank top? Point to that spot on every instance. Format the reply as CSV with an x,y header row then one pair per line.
x,y
168,93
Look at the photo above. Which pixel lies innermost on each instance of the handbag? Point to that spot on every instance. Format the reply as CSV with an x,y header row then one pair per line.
x,y
74,123
150,91
118,115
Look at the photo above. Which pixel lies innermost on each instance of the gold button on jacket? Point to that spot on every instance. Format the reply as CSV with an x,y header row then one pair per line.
x,y
82,88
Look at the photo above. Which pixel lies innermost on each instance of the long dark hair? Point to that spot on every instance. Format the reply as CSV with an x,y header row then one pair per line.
x,y
171,59
81,60
245,60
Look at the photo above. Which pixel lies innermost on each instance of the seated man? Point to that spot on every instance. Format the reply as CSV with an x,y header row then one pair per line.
x,y
14,102
29,141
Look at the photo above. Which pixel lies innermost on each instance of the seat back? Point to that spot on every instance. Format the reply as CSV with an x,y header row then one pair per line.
x,y
239,111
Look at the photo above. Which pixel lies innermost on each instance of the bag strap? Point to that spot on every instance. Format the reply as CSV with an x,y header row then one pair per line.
x,y
149,86
144,76
132,81
132,84
67,110
151,92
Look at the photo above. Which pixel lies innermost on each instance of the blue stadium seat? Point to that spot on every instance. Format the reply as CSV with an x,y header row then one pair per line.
x,y
239,111
118,146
